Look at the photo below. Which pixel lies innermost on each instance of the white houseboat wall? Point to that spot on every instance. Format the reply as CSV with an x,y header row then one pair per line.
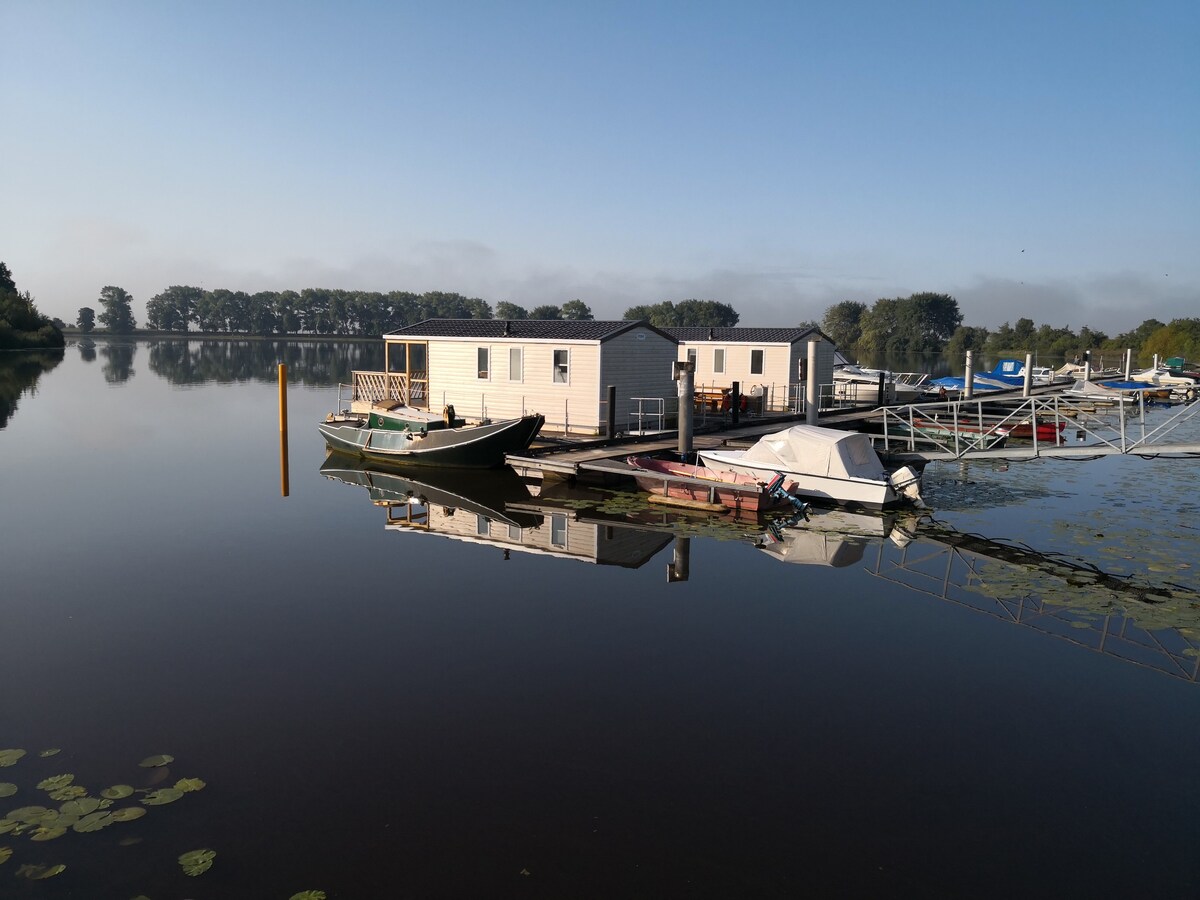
x,y
499,369
770,366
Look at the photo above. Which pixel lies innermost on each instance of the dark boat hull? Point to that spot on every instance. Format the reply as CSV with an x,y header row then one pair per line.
x,y
472,447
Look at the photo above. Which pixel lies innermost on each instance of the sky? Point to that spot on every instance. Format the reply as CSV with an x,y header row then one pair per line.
x,y
1031,159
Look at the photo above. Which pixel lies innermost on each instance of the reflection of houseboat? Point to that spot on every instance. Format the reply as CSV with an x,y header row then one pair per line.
x,y
494,508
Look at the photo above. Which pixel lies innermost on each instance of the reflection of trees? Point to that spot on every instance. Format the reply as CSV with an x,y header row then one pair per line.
x,y
19,372
118,362
87,350
320,363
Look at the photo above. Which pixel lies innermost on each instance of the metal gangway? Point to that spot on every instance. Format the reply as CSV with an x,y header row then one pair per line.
x,y
982,427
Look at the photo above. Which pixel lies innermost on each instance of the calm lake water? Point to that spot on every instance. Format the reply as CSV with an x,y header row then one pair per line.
x,y
999,700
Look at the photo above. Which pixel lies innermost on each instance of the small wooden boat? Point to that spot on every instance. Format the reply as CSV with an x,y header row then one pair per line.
x,y
417,437
702,487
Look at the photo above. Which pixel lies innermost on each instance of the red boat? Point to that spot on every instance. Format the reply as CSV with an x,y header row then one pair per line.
x,y
1046,431
700,487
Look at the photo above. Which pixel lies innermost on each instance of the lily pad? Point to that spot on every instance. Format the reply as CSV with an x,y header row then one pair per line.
x,y
70,792
197,862
7,789
187,785
93,822
51,752
162,796
10,757
7,825
81,807
5,854
308,895
31,814
151,762
40,873
127,813
48,832
117,792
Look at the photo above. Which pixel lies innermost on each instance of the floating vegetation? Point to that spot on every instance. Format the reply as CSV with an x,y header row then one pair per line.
x,y
70,792
47,753
127,813
162,796
5,854
40,873
188,785
48,832
93,822
308,895
152,762
10,757
7,789
117,792
81,807
197,862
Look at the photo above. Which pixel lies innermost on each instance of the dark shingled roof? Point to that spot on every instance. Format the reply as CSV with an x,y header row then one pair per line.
x,y
742,335
527,329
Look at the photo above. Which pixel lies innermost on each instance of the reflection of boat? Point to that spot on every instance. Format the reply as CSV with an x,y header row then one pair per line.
x,y
701,485
825,464
484,494
420,438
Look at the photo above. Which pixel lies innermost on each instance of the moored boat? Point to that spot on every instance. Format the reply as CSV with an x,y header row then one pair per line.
x,y
417,437
702,485
825,464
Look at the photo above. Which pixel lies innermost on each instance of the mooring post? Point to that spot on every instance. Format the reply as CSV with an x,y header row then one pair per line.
x,y
1026,388
735,402
812,402
684,373
283,430
969,378
1128,361
881,399
677,568
612,411
1087,365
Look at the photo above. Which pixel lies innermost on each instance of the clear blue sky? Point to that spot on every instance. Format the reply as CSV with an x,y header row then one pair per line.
x,y
1036,159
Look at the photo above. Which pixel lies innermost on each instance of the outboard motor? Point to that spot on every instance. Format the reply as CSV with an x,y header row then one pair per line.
x,y
906,482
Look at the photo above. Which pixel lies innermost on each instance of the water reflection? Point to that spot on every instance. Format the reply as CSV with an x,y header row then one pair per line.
x,y
118,362
190,362
87,350
19,374
1153,624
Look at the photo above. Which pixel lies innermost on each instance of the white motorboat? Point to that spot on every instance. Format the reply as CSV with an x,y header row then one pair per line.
x,y
854,382
825,464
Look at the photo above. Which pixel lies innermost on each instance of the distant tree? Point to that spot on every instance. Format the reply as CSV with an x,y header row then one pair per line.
x,y
510,311
576,309
86,319
21,325
685,313
1136,338
966,337
174,309
58,323
1023,334
843,323
1180,338
546,311
118,310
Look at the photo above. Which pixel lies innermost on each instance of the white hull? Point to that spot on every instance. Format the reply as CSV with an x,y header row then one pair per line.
x,y
875,493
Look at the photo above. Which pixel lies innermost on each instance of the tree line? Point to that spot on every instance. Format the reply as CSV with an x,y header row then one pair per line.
x,y
926,322
21,325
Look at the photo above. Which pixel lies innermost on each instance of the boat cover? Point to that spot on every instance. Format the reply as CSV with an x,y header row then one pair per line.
x,y
817,451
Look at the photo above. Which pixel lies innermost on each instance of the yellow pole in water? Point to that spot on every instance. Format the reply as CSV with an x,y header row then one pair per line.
x,y
283,429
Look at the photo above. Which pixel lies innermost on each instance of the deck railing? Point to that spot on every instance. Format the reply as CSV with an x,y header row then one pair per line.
x,y
411,389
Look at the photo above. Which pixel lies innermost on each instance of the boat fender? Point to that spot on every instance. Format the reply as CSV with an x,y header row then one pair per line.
x,y
448,415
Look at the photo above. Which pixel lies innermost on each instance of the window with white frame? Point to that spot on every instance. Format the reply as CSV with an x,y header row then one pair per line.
x,y
515,364
756,361
558,530
562,366
484,357
719,361
691,357
483,525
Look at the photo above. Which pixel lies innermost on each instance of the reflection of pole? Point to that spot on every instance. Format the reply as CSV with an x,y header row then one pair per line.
x,y
677,568
968,390
283,429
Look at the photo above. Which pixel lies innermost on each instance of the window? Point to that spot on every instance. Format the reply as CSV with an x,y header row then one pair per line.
x,y
691,357
562,366
558,530
483,525
719,361
756,362
484,358
514,364
514,532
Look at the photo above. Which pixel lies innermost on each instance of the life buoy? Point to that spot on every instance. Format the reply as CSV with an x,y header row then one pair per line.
x,y
448,415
